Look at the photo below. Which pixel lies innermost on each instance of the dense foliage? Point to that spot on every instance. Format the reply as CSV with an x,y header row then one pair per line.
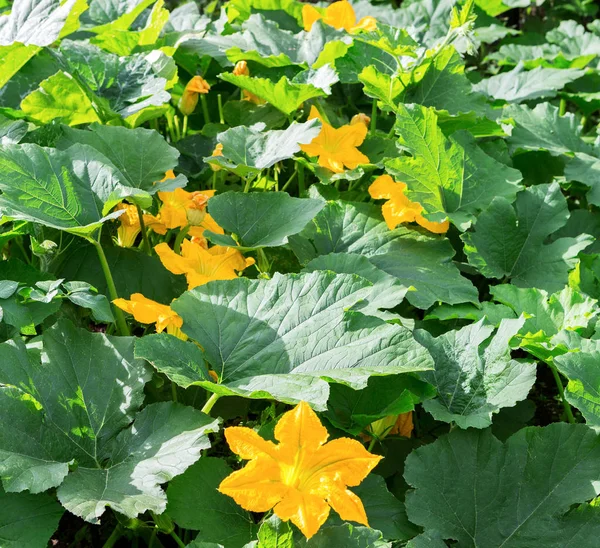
x,y
286,275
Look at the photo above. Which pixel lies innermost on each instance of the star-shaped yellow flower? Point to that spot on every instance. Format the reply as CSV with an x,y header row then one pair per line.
x,y
148,311
399,209
302,476
201,265
336,148
339,15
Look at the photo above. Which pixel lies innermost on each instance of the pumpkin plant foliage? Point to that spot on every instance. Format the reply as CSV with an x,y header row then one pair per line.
x,y
284,274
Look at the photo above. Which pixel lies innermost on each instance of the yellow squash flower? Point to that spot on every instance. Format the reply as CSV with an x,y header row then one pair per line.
x,y
302,476
129,227
339,15
189,99
201,265
241,69
336,148
400,425
399,209
148,311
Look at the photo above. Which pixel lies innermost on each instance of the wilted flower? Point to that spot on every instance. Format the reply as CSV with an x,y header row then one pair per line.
x,y
189,98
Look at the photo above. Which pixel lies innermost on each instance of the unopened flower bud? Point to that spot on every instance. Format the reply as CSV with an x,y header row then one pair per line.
x,y
360,118
189,98
241,69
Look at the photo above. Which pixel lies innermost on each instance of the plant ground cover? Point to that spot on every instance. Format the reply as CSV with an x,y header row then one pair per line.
x,y
286,275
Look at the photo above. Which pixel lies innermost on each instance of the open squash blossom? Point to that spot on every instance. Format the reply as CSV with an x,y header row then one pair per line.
x,y
189,98
339,15
201,265
399,209
148,311
336,148
130,227
302,476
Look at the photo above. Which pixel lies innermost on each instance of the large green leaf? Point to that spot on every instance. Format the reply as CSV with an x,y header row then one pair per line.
x,y
195,503
36,22
586,169
442,84
256,149
543,128
261,219
13,58
474,374
519,85
12,131
28,520
450,176
285,95
348,536
141,157
114,14
415,260
69,190
510,240
473,489
75,412
583,389
60,98
285,337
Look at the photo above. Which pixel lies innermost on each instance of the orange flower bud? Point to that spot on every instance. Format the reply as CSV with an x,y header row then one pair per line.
x,y
360,118
189,99
241,69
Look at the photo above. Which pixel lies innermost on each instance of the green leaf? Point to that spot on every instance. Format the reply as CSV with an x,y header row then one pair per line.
x,y
274,533
140,157
348,536
380,85
37,23
181,361
68,190
510,240
583,388
519,85
474,374
84,295
13,58
585,169
59,98
450,176
350,61
114,14
353,410
28,520
195,503
284,95
493,312
262,219
543,128
164,440
11,131
418,261
257,149
258,347
441,83
473,489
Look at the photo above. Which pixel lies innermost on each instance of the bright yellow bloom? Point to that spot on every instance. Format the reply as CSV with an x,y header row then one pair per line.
x,y
130,225
360,118
189,99
180,209
302,476
201,265
398,208
339,15
217,152
241,69
148,311
336,148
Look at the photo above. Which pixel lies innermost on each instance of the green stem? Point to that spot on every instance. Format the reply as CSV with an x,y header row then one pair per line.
x,y
301,188
220,103
263,263
174,391
205,109
210,403
372,444
561,392
292,177
171,128
177,128
152,537
177,539
115,535
562,109
214,180
374,115
112,290
147,246
179,239
185,127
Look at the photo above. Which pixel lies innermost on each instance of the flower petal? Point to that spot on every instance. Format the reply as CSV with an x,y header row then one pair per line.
x,y
171,261
307,512
256,487
301,429
347,505
246,443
